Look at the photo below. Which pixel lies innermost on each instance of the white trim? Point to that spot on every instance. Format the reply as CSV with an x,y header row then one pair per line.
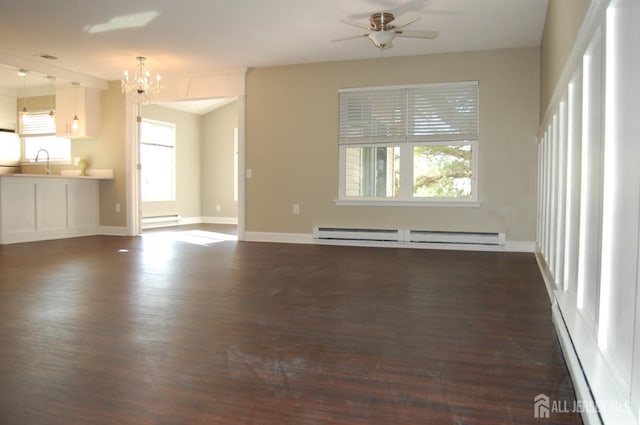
x,y
463,83
520,246
580,384
393,203
592,20
592,378
242,164
190,220
46,235
219,220
113,231
132,190
229,83
544,271
592,364
301,238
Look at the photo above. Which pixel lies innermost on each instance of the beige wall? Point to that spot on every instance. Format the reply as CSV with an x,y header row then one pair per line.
x,y
291,143
562,24
217,162
109,152
106,151
188,153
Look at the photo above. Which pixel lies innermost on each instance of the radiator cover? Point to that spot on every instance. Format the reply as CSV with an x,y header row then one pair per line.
x,y
408,237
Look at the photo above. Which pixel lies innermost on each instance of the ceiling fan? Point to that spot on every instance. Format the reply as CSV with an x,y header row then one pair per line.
x,y
383,27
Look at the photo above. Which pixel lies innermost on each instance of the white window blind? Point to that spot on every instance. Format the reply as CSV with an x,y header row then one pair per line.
x,y
446,111
375,116
427,112
39,123
39,132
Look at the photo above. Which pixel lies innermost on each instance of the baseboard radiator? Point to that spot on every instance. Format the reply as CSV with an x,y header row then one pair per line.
x,y
407,237
463,238
161,220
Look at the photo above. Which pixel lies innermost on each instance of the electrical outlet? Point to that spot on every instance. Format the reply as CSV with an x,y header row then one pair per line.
x,y
249,173
117,208
296,208
217,208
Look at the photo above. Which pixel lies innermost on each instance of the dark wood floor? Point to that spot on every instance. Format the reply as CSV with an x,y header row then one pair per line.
x,y
191,328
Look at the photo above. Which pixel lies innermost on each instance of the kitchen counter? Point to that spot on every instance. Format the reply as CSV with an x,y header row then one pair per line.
x,y
56,176
105,174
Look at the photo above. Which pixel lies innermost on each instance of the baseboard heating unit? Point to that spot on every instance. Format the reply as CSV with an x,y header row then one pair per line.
x,y
443,237
161,220
352,234
342,235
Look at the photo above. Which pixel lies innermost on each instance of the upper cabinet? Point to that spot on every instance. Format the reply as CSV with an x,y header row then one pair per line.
x,y
82,102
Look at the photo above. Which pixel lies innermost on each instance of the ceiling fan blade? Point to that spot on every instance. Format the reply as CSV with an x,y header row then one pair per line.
x,y
417,34
362,25
404,20
351,37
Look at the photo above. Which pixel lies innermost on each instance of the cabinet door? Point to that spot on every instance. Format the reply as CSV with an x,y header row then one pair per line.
x,y
83,103
51,205
65,111
18,208
83,204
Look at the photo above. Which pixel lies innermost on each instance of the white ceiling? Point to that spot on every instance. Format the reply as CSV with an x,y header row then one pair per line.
x,y
193,37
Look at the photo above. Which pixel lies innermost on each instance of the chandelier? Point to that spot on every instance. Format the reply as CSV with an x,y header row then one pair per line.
x,y
141,85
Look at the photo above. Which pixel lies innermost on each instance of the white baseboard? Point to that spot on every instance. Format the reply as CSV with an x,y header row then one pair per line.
x,y
520,246
113,231
594,382
301,238
580,384
219,220
47,234
307,238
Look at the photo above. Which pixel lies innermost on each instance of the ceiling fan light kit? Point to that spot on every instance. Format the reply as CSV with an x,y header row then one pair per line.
x,y
382,39
383,28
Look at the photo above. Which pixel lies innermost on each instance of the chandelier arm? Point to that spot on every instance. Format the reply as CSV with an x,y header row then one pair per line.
x,y
142,86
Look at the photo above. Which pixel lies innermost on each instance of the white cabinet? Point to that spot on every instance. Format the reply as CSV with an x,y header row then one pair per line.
x,y
8,112
82,102
38,208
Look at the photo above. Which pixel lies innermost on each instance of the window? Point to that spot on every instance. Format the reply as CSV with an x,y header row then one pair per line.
x,y
409,143
39,132
158,159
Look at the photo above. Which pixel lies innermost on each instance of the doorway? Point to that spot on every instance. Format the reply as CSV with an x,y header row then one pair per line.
x,y
134,211
203,161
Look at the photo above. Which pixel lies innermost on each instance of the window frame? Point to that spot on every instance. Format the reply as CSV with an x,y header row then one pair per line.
x,y
174,148
406,145
406,198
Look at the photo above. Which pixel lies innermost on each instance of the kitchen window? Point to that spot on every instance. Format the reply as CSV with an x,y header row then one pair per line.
x,y
38,132
409,145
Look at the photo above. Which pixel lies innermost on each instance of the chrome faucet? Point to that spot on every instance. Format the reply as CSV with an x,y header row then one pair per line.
x,y
47,170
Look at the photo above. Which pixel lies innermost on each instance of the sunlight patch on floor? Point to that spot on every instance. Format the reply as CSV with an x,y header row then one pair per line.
x,y
195,237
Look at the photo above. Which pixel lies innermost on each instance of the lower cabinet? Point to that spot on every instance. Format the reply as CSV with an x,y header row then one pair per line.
x,y
39,208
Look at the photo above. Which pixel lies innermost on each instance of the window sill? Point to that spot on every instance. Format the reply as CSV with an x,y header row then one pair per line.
x,y
394,203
